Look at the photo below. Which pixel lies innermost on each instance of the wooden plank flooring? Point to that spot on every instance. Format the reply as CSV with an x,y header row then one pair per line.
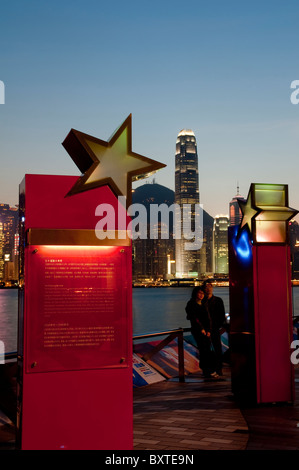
x,y
200,415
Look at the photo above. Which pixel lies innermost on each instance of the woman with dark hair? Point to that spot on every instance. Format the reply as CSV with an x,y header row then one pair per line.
x,y
199,317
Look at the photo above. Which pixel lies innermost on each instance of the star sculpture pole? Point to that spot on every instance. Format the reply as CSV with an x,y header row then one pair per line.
x,y
266,213
248,213
260,275
111,163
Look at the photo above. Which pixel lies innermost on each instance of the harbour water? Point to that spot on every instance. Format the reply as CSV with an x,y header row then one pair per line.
x,y
9,318
154,310
161,309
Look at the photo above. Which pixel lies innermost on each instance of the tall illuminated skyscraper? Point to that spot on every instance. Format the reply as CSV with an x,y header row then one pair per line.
x,y
186,192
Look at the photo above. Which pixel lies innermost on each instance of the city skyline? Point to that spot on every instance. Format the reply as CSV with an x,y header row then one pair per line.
x,y
222,70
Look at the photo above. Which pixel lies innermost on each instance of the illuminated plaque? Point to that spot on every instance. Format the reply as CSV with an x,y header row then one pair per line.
x,y
108,163
266,213
77,308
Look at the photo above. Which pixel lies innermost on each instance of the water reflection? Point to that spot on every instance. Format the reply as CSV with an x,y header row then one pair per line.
x,y
155,309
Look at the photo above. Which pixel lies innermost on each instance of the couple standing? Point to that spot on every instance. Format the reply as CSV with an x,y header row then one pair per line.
x,y
207,316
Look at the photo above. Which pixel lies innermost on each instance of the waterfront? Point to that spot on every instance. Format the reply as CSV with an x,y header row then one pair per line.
x,y
154,310
8,318
161,309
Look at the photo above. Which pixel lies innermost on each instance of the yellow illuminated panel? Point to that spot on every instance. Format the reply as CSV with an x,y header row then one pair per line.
x,y
270,231
273,213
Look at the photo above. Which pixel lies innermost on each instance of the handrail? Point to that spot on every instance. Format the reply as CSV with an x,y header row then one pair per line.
x,y
161,333
172,334
9,355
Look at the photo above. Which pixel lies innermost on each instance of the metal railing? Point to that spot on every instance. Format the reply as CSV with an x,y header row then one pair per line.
x,y
170,336
10,356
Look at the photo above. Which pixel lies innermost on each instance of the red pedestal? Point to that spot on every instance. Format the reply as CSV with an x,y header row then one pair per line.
x,y
261,320
273,323
75,333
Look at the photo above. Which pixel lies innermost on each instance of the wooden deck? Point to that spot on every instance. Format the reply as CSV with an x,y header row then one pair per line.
x,y
200,415
203,415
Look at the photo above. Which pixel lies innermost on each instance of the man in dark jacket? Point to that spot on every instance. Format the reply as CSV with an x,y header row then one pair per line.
x,y
217,313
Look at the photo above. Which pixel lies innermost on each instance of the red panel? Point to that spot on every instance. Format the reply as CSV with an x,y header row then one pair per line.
x,y
47,206
75,391
77,308
78,410
273,311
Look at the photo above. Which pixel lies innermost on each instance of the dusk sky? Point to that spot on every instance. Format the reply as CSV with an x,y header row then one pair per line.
x,y
222,69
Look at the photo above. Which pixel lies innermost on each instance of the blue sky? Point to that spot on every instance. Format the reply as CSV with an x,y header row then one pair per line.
x,y
222,69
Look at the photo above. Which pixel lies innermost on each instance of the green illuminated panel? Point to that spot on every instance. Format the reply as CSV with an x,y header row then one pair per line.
x,y
270,195
266,213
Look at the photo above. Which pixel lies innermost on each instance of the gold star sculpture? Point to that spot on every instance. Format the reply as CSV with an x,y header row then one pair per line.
x,y
266,213
248,213
111,163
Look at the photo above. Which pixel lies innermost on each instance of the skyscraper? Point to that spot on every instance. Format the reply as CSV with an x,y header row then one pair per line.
x,y
1,252
220,244
186,192
235,214
9,228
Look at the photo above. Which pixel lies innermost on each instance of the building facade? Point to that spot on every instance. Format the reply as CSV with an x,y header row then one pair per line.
x,y
153,256
294,247
220,244
9,219
186,192
235,213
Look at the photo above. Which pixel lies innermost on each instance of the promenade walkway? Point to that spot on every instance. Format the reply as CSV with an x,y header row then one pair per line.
x,y
201,415
197,414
